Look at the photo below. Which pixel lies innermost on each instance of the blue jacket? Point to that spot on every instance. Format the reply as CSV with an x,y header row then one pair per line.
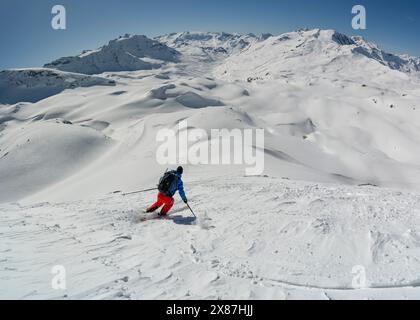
x,y
179,187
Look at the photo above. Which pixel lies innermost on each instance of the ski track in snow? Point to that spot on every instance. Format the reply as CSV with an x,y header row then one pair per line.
x,y
290,240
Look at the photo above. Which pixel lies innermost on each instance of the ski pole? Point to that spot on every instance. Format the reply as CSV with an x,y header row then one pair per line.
x,y
191,210
141,191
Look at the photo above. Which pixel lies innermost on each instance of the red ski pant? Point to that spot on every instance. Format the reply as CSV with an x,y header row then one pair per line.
x,y
162,200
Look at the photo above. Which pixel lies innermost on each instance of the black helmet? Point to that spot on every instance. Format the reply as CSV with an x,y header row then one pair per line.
x,y
180,170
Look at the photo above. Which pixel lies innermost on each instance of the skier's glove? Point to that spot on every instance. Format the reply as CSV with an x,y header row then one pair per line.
x,y
185,201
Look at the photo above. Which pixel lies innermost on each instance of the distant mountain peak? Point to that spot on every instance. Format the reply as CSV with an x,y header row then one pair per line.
x,y
138,52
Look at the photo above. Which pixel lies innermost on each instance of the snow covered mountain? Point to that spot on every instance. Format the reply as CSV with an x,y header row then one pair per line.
x,y
330,111
32,85
126,53
404,63
319,52
130,53
255,238
209,46
340,118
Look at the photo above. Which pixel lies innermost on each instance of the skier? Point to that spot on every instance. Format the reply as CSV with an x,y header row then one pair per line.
x,y
169,184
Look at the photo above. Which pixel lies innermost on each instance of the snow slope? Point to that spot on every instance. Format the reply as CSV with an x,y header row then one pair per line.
x,y
35,84
289,240
404,63
43,152
123,54
329,115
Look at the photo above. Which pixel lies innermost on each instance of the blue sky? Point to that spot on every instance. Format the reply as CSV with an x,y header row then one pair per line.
x,y
28,39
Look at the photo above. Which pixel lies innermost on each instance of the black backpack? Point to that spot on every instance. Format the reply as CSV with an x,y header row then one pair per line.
x,y
167,183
